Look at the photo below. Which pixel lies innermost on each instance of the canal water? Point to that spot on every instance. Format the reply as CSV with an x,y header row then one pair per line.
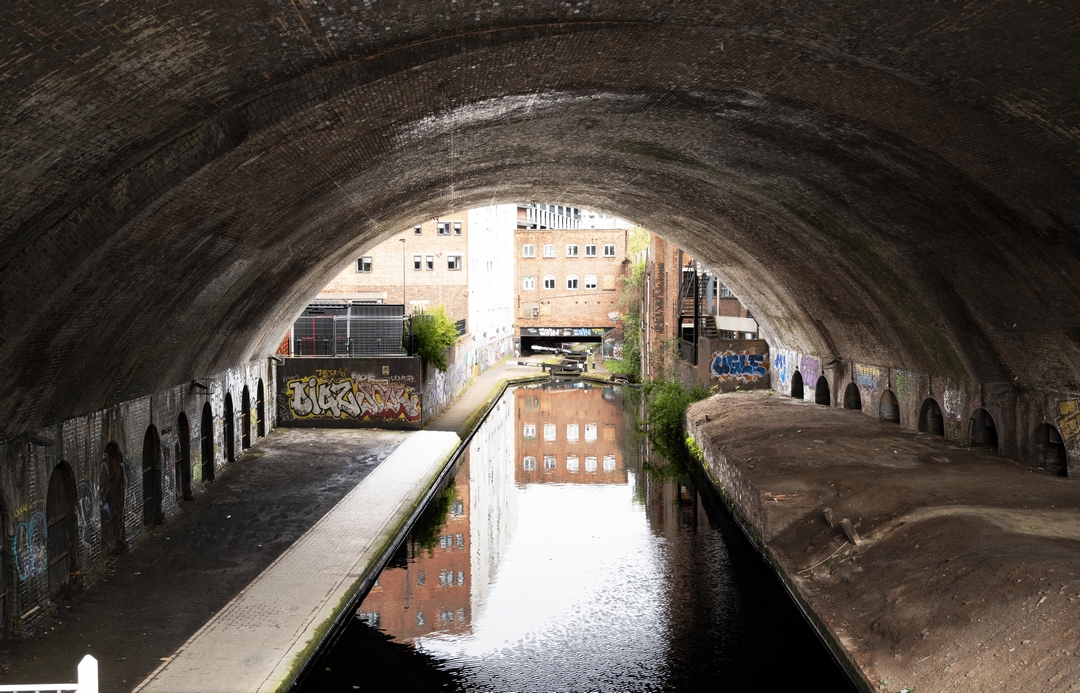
x,y
564,556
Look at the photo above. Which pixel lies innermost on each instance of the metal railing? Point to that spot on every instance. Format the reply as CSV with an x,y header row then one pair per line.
x,y
341,335
88,681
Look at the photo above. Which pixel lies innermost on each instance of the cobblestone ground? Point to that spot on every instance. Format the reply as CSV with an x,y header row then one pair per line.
x,y
161,591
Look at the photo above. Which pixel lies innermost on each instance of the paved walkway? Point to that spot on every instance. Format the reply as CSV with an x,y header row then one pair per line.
x,y
259,641
473,400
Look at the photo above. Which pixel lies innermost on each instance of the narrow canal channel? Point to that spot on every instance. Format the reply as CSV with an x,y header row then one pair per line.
x,y
564,557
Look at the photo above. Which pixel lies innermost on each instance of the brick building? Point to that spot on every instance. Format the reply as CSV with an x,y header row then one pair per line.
x,y
567,436
567,283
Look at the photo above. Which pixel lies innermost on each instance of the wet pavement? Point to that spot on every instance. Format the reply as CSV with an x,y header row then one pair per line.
x,y
164,589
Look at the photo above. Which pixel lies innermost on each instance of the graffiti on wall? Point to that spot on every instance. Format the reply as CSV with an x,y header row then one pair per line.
x,y
952,403
1069,419
28,547
810,370
746,366
339,397
780,367
906,383
867,376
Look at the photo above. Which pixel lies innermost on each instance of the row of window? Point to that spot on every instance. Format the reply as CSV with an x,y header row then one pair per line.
x,y
529,250
420,262
446,617
446,578
528,282
572,430
442,228
446,541
572,463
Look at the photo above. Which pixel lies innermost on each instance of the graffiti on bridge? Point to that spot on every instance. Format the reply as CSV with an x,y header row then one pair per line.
x,y
31,554
867,376
952,402
746,366
339,398
810,370
1069,419
780,366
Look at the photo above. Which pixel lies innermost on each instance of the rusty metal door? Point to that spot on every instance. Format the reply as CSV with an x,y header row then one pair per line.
x,y
60,529
111,488
206,440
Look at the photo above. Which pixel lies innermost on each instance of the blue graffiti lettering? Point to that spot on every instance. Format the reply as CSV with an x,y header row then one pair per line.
x,y
31,556
745,366
780,366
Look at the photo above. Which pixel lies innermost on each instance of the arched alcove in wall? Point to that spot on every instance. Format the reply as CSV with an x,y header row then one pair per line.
x,y
822,395
930,419
151,477
245,419
797,385
61,530
1048,448
228,423
982,430
852,397
206,442
889,408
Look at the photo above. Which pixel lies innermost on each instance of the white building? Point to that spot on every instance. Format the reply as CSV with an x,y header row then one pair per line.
x,y
491,282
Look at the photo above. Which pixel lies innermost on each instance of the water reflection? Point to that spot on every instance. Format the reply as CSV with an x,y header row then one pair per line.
x,y
556,564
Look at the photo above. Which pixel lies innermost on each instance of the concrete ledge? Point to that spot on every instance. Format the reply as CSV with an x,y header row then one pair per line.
x,y
263,637
967,572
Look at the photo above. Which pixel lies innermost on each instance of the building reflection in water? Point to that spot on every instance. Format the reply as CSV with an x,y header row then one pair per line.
x,y
565,434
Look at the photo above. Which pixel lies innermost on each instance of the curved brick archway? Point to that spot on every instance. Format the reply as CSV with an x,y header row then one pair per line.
x,y
888,185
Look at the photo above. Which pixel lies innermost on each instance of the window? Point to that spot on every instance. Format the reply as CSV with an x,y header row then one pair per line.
x,y
419,618
536,311
459,541
421,578
371,618
572,432
528,250
453,262
549,281
528,283
609,250
549,250
571,250
363,264
549,462
442,228
590,250
590,432
571,463
528,431
417,262
430,261
609,463
725,292
417,230
549,432
457,228
571,281
530,463
460,582
590,281
590,465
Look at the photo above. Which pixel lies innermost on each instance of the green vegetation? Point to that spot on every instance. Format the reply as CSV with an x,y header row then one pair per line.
x,y
666,400
631,292
435,333
639,240
425,533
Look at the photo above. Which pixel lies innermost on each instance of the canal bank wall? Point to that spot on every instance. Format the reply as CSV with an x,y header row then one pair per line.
x,y
961,569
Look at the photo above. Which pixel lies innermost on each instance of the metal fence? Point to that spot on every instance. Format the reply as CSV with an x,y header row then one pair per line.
x,y
350,335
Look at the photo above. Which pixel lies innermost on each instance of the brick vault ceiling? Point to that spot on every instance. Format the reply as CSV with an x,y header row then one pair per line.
x,y
889,183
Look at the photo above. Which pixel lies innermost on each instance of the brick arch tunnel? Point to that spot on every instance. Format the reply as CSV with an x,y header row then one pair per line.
x,y
178,184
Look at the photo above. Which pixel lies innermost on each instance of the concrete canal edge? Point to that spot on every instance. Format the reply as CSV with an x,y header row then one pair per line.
x,y
740,496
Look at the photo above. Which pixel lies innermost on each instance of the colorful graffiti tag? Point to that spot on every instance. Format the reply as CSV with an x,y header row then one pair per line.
x,y
810,370
780,367
31,555
906,383
1069,420
953,403
340,398
867,376
746,366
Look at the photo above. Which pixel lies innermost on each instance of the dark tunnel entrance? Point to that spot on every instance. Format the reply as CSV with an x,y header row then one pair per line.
x,y
930,419
822,395
797,385
61,530
1049,449
889,409
982,431
228,423
151,477
206,440
852,398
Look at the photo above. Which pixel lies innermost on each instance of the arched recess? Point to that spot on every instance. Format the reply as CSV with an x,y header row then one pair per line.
x,y
111,488
183,457
982,431
260,409
206,442
930,419
5,577
227,424
852,398
245,419
1049,449
889,409
796,385
822,394
61,530
151,476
